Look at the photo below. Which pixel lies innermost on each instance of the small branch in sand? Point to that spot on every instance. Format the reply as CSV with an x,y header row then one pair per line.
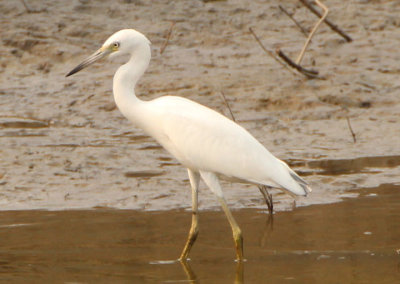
x,y
334,27
270,53
29,10
26,6
226,103
167,37
290,15
349,124
326,10
296,65
309,73
351,129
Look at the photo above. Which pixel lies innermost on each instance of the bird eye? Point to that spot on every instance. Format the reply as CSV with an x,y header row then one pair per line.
x,y
116,44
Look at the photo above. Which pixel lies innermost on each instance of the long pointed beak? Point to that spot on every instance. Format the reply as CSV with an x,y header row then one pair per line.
x,y
89,61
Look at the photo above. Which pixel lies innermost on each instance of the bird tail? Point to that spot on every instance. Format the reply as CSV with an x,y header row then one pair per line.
x,y
304,185
293,183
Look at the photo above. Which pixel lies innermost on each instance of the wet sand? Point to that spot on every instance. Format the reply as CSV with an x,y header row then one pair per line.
x,y
355,241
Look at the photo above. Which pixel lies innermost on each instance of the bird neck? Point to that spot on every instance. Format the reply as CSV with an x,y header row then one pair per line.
x,y
125,80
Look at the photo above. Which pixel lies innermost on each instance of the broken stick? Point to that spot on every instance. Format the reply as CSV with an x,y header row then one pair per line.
x,y
227,105
296,65
309,73
351,129
270,53
334,27
167,37
290,15
326,10
29,10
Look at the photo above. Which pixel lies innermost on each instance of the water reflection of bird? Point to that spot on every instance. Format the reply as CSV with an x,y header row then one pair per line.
x,y
207,143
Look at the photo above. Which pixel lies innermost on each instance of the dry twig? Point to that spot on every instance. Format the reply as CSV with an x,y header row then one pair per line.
x,y
26,6
29,10
227,105
167,37
326,10
290,15
351,129
348,123
329,23
296,65
309,73
270,53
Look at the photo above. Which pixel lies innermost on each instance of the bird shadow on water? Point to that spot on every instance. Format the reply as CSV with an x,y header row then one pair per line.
x,y
191,276
231,267
268,229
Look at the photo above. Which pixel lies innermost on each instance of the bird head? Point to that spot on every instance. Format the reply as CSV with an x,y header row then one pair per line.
x,y
122,43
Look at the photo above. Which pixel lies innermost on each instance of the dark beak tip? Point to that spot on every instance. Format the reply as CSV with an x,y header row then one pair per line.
x,y
88,61
75,70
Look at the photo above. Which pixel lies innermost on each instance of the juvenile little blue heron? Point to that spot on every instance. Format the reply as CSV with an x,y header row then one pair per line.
x,y
207,143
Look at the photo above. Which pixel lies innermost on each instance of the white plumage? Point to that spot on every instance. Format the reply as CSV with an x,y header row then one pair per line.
x,y
207,143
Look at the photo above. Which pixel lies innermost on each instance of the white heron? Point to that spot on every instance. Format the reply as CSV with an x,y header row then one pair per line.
x,y
207,143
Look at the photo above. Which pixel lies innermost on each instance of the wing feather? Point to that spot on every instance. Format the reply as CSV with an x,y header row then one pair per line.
x,y
203,139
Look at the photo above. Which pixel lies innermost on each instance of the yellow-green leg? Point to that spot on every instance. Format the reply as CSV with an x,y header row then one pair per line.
x,y
236,231
213,183
194,178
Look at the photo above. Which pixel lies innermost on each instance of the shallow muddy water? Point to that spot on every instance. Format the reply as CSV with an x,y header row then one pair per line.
x,y
355,241
64,145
